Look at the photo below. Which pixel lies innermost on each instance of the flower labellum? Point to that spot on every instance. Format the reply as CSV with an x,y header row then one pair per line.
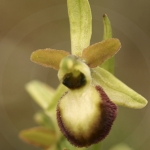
x,y
85,114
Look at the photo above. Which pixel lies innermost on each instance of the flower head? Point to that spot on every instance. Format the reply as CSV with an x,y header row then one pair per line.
x,y
86,112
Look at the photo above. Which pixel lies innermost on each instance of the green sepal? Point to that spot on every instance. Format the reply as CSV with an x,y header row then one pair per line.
x,y
48,57
80,25
117,91
96,54
40,92
108,64
39,136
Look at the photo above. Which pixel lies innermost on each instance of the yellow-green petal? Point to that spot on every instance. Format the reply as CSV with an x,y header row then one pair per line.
x,y
80,25
48,57
116,90
39,136
96,54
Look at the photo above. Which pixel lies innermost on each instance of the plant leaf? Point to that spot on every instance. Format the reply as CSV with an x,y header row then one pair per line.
x,y
80,25
108,64
96,54
40,92
48,57
116,90
39,136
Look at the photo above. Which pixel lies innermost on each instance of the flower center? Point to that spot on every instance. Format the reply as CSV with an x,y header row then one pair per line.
x,y
74,73
74,80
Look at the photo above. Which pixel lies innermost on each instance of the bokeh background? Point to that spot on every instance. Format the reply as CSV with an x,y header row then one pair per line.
x,y
28,25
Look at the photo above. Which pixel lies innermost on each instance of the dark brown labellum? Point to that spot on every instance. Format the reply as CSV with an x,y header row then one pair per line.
x,y
99,128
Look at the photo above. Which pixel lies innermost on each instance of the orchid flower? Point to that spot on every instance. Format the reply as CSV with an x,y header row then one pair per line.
x,y
88,108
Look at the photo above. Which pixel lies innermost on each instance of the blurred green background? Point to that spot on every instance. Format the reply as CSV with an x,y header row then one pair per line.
x,y
28,25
